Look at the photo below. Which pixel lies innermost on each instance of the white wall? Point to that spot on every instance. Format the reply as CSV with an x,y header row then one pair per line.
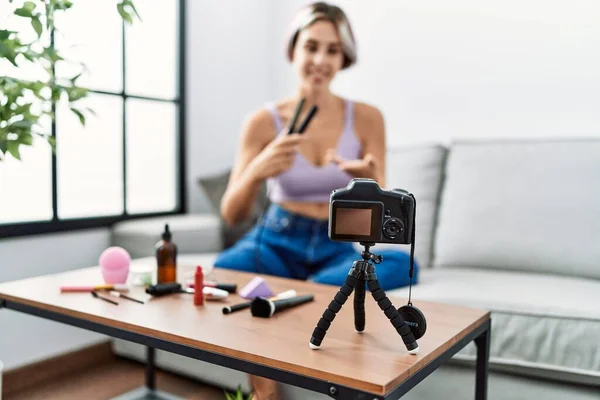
x,y
468,68
25,339
228,75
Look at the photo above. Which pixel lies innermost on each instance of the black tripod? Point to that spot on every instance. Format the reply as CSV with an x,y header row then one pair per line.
x,y
362,272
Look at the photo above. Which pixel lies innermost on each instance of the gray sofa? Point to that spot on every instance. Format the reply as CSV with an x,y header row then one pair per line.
x,y
508,226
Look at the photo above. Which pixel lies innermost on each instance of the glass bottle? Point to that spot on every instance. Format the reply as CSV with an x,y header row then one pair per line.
x,y
166,258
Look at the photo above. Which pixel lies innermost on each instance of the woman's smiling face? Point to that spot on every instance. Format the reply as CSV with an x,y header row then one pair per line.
x,y
318,55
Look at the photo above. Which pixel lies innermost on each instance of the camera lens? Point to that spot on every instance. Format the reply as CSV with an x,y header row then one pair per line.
x,y
392,228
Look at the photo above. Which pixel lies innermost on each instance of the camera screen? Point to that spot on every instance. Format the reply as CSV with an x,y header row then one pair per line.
x,y
353,221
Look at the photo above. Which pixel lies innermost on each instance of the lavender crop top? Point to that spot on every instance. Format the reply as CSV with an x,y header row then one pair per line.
x,y
305,182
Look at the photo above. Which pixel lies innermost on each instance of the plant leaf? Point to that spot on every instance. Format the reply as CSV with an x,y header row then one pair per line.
x,y
26,139
5,34
123,13
3,145
73,79
26,10
30,55
63,5
37,25
130,4
8,53
76,93
23,124
79,115
29,5
13,149
52,55
56,91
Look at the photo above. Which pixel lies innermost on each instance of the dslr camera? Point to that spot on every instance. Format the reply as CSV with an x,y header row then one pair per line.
x,y
363,212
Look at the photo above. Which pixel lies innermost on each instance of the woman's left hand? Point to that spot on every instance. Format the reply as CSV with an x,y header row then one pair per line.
x,y
360,168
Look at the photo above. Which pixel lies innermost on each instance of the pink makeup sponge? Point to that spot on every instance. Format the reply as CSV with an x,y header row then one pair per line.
x,y
114,264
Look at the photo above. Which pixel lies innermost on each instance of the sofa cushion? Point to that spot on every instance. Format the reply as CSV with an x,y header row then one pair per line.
x,y
214,187
192,233
418,169
527,205
542,325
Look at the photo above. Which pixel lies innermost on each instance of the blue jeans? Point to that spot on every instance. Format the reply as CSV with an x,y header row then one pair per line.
x,y
294,246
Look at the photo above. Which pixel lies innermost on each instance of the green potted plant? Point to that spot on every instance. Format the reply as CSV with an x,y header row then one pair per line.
x,y
239,395
24,103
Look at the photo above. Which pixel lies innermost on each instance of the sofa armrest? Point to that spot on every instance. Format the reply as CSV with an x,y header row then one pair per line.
x,y
192,233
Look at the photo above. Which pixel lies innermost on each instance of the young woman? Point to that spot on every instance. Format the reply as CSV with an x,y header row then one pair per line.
x,y
345,139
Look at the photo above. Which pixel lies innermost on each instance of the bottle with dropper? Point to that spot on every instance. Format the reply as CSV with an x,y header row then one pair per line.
x,y
166,258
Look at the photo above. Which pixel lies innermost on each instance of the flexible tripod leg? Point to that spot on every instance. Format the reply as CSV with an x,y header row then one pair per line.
x,y
332,309
359,303
391,312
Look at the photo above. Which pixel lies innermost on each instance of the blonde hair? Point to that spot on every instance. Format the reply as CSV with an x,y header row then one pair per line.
x,y
322,11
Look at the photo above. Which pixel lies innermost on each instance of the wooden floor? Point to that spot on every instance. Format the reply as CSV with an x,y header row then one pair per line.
x,y
112,379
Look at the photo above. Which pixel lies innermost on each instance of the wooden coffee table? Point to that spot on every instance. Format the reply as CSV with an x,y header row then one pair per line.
x,y
373,365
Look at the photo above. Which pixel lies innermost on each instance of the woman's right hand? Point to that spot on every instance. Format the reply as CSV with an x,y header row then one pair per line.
x,y
277,157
